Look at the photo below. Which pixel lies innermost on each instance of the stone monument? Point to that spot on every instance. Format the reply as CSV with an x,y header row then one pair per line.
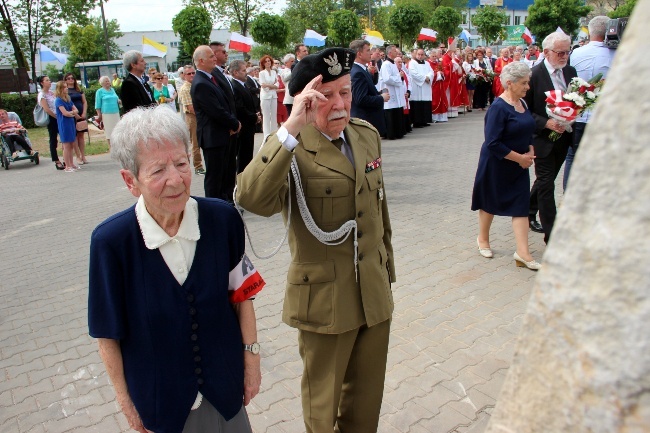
x,y
582,362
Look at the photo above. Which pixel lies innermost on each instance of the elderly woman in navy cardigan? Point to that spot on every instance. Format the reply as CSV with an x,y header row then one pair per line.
x,y
170,290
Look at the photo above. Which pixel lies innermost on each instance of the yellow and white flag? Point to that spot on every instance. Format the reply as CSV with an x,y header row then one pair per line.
x,y
153,48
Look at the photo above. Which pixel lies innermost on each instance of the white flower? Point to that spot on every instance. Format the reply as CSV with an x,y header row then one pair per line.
x,y
579,101
591,95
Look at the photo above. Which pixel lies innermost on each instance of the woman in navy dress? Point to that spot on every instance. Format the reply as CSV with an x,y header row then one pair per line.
x,y
66,113
502,184
78,98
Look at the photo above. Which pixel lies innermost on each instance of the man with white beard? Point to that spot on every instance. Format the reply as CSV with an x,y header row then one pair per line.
x,y
421,81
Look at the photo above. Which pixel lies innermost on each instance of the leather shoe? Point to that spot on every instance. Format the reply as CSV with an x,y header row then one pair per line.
x,y
535,226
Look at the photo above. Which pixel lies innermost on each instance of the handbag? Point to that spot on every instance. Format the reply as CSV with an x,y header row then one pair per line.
x,y
82,125
41,118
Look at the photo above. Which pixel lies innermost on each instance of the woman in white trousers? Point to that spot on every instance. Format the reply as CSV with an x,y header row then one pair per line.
x,y
269,98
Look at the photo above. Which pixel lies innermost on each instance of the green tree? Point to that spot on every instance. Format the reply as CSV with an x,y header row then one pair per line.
x,y
28,23
270,29
183,57
261,50
52,72
446,21
544,16
343,27
194,25
82,40
236,14
406,21
380,21
87,44
489,21
307,14
429,6
624,10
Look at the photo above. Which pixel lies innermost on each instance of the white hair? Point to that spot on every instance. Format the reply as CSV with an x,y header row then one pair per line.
x,y
514,72
104,77
143,127
598,27
551,40
129,58
288,57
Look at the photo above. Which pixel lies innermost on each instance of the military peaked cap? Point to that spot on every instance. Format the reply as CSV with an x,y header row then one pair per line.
x,y
331,63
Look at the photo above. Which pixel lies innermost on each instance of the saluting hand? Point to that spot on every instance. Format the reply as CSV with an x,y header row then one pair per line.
x,y
305,106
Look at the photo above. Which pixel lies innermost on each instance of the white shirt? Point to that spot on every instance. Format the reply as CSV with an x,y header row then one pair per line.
x,y
551,71
590,60
392,80
177,251
418,73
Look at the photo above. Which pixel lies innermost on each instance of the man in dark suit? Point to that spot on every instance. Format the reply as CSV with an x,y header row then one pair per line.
x,y
219,73
135,93
551,74
300,51
254,87
247,114
367,102
215,124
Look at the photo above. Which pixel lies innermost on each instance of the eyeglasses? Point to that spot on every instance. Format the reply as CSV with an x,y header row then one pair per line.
x,y
190,73
69,78
157,78
562,53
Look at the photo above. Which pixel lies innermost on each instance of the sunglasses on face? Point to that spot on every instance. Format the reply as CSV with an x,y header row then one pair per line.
x,y
561,53
190,73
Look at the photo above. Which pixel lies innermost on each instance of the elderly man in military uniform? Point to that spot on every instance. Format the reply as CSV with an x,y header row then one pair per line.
x,y
338,290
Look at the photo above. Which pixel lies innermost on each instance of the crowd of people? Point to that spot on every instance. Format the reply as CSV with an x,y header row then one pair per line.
x,y
320,166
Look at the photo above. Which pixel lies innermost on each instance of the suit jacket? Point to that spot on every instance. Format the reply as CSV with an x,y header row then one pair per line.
x,y
323,294
367,102
134,94
246,110
225,85
214,120
255,90
540,82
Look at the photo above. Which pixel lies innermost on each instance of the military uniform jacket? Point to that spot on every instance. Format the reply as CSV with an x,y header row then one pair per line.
x,y
322,294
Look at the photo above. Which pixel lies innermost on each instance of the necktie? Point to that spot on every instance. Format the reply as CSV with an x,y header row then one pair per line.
x,y
338,142
214,80
559,78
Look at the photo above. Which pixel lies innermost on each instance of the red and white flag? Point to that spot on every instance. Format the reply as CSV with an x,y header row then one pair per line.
x,y
240,43
427,35
527,36
244,281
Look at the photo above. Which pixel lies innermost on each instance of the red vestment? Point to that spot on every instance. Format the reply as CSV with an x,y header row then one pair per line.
x,y
497,88
439,104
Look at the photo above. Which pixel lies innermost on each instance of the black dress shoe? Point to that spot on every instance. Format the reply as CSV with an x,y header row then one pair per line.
x,y
535,226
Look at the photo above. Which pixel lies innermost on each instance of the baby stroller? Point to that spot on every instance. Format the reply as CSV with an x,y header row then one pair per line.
x,y
6,157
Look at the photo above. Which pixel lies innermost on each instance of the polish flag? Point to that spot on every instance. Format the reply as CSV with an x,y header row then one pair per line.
x,y
527,36
244,281
240,43
427,35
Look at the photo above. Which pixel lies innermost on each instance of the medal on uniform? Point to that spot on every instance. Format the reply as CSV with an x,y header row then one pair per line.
x,y
381,193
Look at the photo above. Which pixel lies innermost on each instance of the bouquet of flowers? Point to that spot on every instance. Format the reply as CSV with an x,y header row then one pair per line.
x,y
565,107
478,76
489,73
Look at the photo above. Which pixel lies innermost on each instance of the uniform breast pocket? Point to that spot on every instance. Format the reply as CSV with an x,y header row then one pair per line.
x,y
310,292
328,199
375,183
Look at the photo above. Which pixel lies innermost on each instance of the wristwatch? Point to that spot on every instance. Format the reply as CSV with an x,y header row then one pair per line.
x,y
252,348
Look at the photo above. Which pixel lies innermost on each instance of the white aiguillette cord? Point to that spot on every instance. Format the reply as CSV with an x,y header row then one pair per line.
x,y
335,237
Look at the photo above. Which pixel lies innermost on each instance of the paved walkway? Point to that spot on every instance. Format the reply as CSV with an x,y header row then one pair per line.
x,y
456,318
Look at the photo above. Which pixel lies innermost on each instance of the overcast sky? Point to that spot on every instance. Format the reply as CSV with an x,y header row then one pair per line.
x,y
149,15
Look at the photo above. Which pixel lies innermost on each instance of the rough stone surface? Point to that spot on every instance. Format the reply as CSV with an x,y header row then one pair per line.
x,y
582,363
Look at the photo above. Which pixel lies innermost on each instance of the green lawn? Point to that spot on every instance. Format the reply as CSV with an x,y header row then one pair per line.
x,y
41,142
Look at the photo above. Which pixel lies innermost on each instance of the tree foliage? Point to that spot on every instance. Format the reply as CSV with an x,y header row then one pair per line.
x,y
624,10
489,21
406,22
307,14
87,43
261,50
28,23
544,16
429,6
194,25
343,27
270,29
446,21
235,14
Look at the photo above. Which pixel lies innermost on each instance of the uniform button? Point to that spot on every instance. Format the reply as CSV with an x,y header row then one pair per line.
x,y
181,270
190,298
360,234
197,359
195,326
196,348
378,181
265,159
194,337
360,214
192,311
360,256
328,190
197,370
199,381
305,279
